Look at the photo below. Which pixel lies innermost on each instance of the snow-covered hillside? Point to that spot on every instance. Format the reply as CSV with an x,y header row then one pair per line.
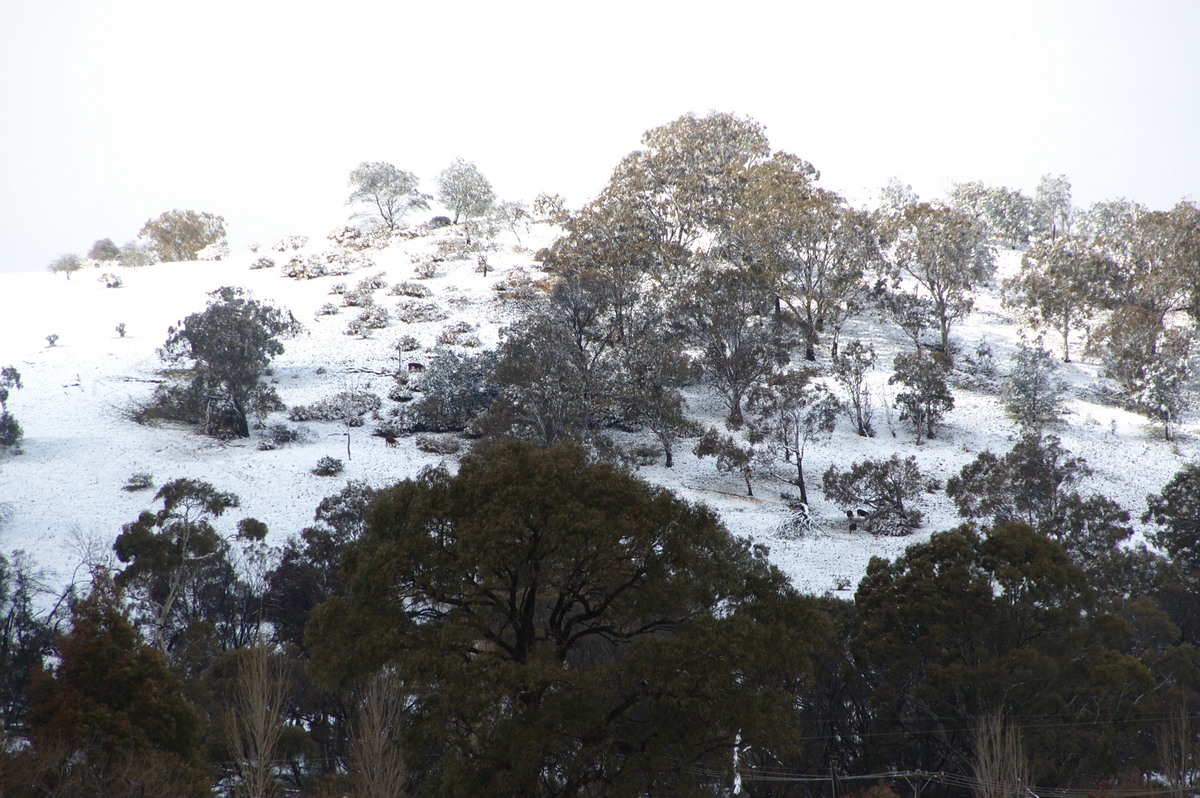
x,y
63,494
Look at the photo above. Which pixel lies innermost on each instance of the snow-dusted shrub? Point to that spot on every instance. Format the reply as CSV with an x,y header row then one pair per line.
x,y
413,312
111,280
135,254
375,281
263,263
337,288
218,250
344,262
120,328
351,405
292,243
406,343
358,298
139,480
438,444
328,309
305,268
277,435
375,317
410,288
52,339
516,285
350,237
425,270
440,221
460,333
328,467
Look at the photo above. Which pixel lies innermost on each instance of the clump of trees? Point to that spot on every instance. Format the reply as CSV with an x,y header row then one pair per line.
x,y
529,604
521,626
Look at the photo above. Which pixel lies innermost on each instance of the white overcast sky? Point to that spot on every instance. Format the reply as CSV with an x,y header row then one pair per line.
x,y
112,111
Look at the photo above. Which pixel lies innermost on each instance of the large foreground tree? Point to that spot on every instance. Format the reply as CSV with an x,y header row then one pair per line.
x,y
562,628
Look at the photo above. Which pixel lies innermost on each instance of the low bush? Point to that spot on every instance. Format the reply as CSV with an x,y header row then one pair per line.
x,y
140,480
329,467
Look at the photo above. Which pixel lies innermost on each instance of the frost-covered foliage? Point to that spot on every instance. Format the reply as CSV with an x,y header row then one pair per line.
x,y
329,467
290,243
65,264
371,317
279,434
111,280
328,309
946,253
884,490
407,343
263,262
374,282
350,405
307,267
104,250
135,254
358,297
464,190
548,207
322,264
1007,212
218,250
438,444
1033,398
410,288
926,398
181,235
1051,212
790,411
414,312
388,192
460,333
425,270
456,390
850,369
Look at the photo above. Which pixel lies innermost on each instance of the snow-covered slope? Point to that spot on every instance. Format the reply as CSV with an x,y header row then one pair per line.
x,y
64,496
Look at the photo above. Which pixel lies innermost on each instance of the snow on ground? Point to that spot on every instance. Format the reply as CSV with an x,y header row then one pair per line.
x,y
63,493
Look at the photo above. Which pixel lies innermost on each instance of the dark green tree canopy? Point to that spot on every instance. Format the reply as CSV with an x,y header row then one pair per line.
x,y
963,625
229,345
564,627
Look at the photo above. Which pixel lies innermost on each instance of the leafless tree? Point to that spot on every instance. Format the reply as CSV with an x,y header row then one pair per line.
x,y
255,721
376,762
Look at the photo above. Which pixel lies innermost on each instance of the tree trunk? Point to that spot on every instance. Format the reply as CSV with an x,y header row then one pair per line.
x,y
800,480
